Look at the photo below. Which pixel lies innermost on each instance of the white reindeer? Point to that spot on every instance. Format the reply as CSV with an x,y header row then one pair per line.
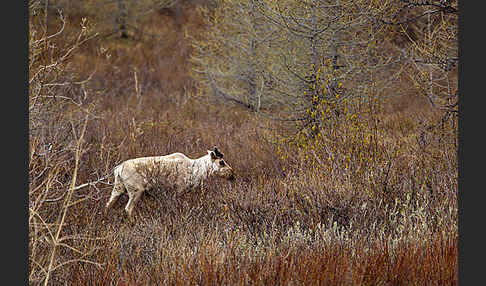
x,y
174,170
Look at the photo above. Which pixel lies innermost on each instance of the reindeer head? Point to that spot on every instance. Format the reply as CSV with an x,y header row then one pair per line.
x,y
220,167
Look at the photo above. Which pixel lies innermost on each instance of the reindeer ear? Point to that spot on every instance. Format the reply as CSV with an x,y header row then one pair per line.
x,y
217,153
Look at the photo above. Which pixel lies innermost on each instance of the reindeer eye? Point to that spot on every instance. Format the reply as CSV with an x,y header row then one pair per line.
x,y
221,163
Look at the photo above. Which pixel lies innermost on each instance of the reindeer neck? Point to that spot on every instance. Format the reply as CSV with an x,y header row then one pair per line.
x,y
203,166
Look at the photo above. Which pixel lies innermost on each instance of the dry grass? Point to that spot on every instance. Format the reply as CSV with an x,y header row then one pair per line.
x,y
388,217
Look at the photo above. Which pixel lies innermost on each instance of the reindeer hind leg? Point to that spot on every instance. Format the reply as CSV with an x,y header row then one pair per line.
x,y
118,189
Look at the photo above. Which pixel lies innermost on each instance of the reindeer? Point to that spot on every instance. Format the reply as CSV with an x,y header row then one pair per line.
x,y
135,176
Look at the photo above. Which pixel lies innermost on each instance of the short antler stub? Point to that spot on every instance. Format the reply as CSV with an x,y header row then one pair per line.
x,y
217,152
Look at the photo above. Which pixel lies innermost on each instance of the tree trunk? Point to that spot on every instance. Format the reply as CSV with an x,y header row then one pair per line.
x,y
122,19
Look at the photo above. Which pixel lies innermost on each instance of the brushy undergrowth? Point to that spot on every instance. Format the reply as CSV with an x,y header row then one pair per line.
x,y
371,201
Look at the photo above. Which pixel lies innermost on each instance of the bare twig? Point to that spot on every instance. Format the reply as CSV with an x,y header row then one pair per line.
x,y
66,203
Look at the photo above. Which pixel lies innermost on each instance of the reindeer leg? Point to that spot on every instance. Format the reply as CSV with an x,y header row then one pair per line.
x,y
118,189
133,198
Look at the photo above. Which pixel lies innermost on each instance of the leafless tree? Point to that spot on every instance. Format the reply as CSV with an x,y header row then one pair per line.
x,y
292,60
234,59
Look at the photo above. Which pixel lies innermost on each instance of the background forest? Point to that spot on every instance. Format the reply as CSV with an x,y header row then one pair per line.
x,y
339,117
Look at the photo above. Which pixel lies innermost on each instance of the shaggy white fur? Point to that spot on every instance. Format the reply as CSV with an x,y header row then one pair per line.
x,y
175,170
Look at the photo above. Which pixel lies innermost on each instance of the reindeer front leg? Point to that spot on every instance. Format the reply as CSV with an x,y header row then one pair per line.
x,y
133,197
